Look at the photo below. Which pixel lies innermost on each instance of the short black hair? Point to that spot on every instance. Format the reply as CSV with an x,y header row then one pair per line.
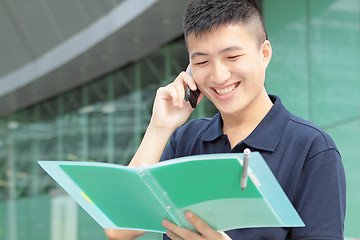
x,y
203,15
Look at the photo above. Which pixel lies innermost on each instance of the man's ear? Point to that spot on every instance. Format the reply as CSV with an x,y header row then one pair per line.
x,y
266,52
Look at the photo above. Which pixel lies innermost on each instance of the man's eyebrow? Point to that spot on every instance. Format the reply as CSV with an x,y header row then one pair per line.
x,y
196,54
232,48
228,49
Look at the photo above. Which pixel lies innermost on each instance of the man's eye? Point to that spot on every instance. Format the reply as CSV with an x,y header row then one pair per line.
x,y
233,57
201,63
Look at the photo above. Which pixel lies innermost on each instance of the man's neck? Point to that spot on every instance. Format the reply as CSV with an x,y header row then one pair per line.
x,y
239,126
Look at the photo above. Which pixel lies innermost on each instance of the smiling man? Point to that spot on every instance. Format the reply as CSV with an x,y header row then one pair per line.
x,y
229,54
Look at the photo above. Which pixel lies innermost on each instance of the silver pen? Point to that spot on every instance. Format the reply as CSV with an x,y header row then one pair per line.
x,y
244,175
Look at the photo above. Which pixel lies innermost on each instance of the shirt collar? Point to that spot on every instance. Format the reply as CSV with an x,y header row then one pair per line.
x,y
214,129
265,136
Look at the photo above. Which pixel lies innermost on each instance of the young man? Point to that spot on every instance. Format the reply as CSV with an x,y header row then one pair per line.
x,y
229,53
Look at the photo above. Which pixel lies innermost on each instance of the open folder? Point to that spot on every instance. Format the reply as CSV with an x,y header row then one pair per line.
x,y
208,185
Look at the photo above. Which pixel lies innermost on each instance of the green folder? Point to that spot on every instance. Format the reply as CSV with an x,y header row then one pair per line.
x,y
208,185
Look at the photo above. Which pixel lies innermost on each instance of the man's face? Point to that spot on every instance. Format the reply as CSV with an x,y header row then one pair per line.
x,y
229,67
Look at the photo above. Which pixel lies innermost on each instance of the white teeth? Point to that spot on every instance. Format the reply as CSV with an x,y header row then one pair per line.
x,y
224,91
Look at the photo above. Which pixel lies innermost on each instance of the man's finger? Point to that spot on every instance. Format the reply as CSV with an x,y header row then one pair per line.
x,y
188,80
200,225
172,235
180,233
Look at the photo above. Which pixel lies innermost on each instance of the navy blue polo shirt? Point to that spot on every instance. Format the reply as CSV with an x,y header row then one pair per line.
x,y
303,158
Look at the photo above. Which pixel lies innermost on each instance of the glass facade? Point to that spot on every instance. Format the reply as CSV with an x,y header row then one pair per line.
x,y
315,69
101,121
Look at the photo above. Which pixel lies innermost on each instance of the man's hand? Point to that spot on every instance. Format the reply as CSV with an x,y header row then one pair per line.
x,y
206,232
170,109
122,234
169,112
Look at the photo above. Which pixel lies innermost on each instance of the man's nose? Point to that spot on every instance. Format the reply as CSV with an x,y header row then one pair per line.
x,y
221,73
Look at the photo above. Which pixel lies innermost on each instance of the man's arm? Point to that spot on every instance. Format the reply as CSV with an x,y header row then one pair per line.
x,y
169,112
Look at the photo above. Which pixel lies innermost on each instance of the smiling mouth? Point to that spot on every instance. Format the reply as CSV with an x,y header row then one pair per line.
x,y
226,90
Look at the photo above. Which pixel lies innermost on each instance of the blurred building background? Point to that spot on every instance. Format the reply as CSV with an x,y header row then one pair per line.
x,y
78,78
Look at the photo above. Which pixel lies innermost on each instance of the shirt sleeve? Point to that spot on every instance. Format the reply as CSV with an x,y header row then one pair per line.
x,y
321,197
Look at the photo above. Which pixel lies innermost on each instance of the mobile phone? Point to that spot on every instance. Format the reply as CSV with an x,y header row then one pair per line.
x,y
192,96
